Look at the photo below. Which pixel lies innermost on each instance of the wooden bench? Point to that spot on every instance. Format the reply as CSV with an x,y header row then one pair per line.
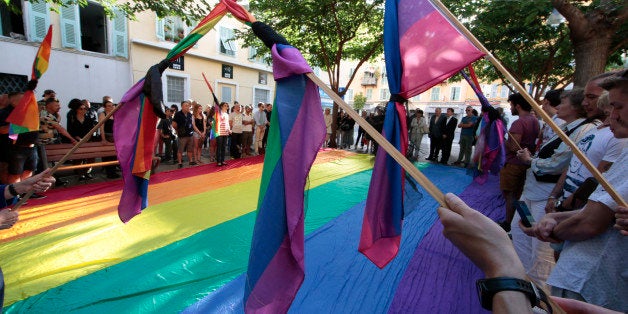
x,y
89,150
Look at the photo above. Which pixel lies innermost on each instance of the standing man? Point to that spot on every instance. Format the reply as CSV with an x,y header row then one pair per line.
x,y
328,121
269,112
467,124
49,93
166,134
182,122
522,134
449,129
435,134
260,126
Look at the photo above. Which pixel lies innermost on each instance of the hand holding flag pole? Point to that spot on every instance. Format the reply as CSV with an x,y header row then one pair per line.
x,y
69,153
539,111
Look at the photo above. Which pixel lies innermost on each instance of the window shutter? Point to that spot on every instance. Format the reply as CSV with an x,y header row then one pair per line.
x,y
159,28
70,27
120,39
38,20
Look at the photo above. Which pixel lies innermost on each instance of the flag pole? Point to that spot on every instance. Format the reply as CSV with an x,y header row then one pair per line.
x,y
385,144
69,153
539,111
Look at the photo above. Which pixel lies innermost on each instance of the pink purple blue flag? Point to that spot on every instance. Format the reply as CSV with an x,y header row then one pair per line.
x,y
276,263
422,49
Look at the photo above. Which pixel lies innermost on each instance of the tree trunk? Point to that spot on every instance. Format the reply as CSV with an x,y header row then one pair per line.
x,y
591,55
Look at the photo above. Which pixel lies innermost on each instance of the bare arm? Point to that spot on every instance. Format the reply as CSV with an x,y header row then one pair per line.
x,y
592,220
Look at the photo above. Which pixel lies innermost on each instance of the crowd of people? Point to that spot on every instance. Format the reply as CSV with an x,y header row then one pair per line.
x,y
573,241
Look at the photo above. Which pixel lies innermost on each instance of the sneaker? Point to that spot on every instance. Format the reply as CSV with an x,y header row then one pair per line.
x,y
180,166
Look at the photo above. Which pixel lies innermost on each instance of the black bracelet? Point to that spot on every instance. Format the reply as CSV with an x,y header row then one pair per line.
x,y
12,190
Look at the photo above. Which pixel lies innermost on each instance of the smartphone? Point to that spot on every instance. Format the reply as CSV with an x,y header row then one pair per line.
x,y
524,213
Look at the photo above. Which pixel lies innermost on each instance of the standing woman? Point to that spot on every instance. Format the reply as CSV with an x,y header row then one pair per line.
x,y
224,130
200,130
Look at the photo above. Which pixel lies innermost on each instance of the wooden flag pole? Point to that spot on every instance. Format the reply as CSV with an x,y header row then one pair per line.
x,y
587,163
385,144
69,153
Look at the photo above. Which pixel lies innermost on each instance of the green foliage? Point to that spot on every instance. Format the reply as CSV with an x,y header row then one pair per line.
x,y
517,34
359,101
325,31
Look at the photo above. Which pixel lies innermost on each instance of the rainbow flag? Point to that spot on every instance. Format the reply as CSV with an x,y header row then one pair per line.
x,y
276,264
189,254
25,117
422,49
134,129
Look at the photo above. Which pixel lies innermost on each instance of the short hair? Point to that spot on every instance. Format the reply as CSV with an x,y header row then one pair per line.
x,y
603,102
420,111
259,104
576,96
174,107
48,92
186,101
619,80
75,103
603,76
518,99
553,97
450,109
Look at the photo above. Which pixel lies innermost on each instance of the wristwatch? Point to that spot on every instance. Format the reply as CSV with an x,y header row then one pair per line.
x,y
12,190
487,288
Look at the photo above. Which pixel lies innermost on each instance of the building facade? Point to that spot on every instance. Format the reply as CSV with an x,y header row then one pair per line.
x,y
234,72
89,57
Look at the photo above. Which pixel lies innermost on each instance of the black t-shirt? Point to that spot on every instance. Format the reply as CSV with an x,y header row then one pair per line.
x,y
184,124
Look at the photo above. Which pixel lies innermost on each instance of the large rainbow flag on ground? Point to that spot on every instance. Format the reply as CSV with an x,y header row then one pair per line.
x,y
25,117
422,49
189,251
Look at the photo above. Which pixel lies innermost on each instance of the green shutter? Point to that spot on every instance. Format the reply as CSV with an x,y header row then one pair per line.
x,y
70,27
38,20
120,39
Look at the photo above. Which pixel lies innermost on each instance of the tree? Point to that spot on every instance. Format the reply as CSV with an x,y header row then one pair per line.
x,y
327,32
597,31
533,51
517,34
359,101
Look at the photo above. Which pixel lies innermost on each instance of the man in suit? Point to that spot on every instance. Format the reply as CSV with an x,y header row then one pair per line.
x,y
435,134
448,126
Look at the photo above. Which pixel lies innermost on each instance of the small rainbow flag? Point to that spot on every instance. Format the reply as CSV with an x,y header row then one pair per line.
x,y
25,117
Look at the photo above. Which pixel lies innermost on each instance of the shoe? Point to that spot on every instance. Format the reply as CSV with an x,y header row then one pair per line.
x,y
193,163
61,183
37,196
83,178
224,163
180,166
219,164
89,175
113,176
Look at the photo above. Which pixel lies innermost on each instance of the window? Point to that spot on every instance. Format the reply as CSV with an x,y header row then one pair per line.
x,y
384,79
504,92
12,24
455,93
226,93
88,28
172,28
227,41
12,82
349,94
416,98
175,89
369,93
261,95
262,78
494,90
384,94
435,94
351,71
